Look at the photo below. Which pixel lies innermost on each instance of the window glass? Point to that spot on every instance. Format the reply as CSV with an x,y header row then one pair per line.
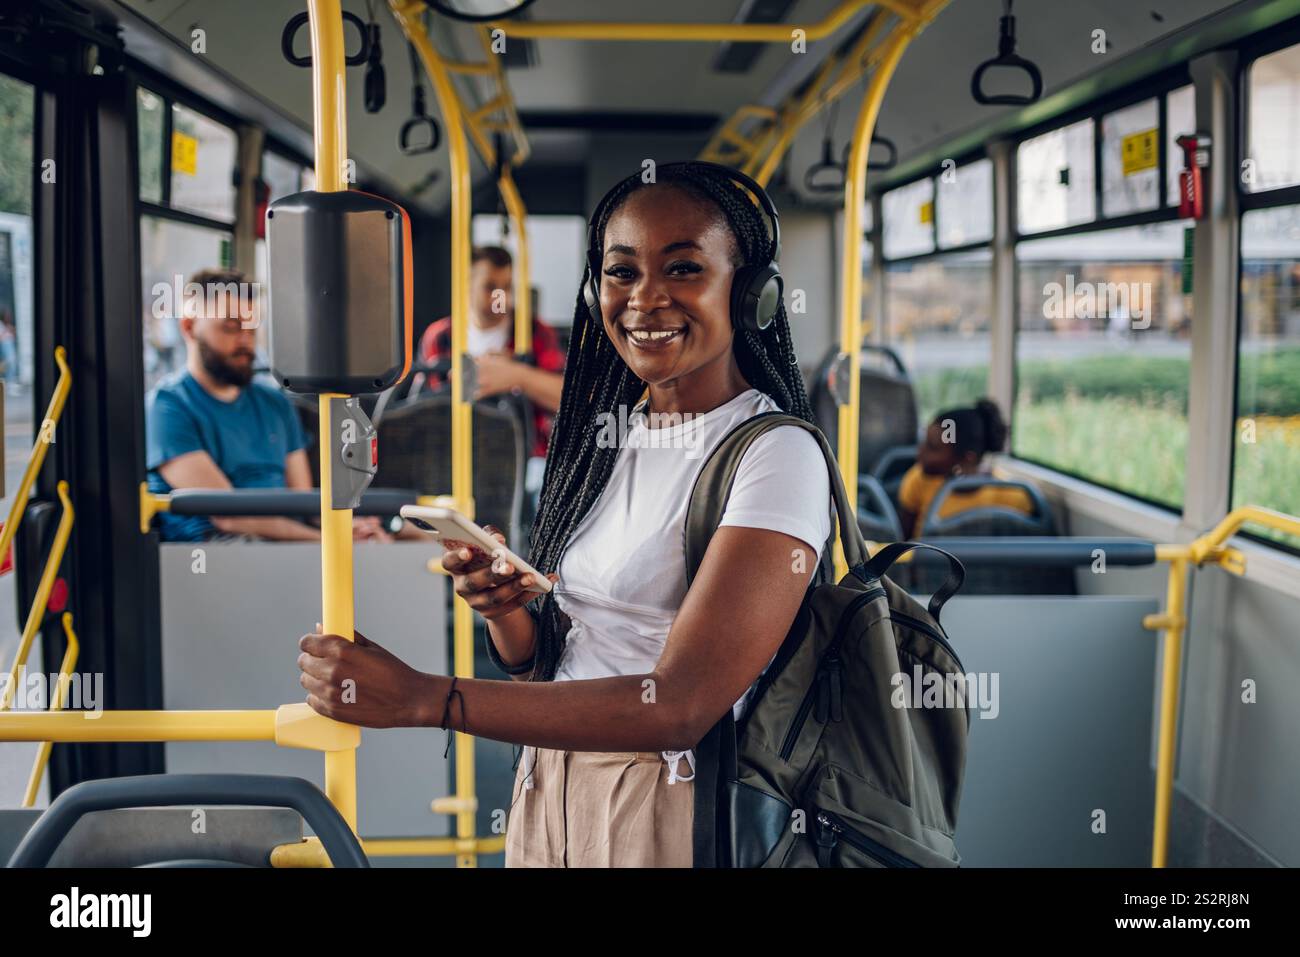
x,y
908,213
1273,108
1266,454
1054,174
204,155
557,257
937,314
283,176
170,252
1180,120
1103,356
869,333
17,275
964,204
1130,159
18,169
149,135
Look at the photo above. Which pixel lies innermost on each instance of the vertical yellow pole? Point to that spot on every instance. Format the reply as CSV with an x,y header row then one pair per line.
x,y
855,195
330,126
44,437
1170,675
40,602
523,299
60,698
462,473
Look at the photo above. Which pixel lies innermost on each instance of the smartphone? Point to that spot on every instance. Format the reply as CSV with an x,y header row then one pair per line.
x,y
447,523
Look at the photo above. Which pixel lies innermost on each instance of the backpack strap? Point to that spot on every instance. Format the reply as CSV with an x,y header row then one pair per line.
x,y
715,755
883,559
713,486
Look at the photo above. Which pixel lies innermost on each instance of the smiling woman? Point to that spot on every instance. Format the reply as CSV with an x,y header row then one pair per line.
x,y
627,667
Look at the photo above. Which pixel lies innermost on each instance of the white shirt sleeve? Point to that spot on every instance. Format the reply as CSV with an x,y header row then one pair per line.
x,y
782,484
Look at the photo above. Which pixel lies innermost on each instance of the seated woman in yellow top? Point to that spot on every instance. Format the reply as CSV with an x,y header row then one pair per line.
x,y
955,444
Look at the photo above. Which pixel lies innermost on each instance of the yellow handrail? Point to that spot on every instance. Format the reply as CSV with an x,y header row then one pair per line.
x,y
760,153
1205,548
56,704
44,438
329,103
40,603
293,725
1209,548
523,294
409,17
700,32
855,196
133,726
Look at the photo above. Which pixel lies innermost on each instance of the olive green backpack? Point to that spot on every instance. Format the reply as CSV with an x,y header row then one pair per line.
x,y
824,770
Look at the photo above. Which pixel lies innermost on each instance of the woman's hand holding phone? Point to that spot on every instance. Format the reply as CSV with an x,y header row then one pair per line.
x,y
492,587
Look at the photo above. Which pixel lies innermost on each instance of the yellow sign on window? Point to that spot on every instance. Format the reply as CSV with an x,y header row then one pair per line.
x,y
1140,151
185,153
927,212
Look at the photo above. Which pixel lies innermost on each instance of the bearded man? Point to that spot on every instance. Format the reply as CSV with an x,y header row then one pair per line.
x,y
212,426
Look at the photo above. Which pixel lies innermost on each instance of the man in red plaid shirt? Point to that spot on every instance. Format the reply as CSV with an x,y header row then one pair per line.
x,y
492,343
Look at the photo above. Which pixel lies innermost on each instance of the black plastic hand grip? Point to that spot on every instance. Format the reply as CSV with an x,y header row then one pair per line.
x,y
1007,58
297,21
409,148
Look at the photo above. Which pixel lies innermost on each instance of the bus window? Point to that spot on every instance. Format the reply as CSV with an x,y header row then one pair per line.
x,y
204,154
1266,456
1273,135
17,107
1103,357
964,204
557,250
937,307
283,176
1130,162
1180,119
170,252
909,219
1055,177
937,315
150,129
186,174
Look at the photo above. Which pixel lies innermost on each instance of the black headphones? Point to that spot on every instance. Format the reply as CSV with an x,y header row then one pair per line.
x,y
755,289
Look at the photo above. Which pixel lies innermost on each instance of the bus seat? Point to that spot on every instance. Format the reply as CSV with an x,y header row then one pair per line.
x,y
994,521
891,466
415,446
877,517
887,415
988,520
821,395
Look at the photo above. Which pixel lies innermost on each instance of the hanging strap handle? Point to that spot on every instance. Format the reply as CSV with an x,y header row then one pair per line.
x,y
1007,58
299,20
815,180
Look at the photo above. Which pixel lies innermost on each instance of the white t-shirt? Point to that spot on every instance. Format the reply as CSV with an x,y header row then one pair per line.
x,y
623,574
481,341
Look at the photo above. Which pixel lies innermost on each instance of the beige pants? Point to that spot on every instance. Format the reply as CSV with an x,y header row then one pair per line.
x,y
600,809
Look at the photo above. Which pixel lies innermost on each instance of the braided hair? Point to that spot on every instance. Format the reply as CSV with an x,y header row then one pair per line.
x,y
597,382
979,429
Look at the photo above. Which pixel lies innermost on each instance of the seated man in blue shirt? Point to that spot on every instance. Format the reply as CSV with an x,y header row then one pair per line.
x,y
211,426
